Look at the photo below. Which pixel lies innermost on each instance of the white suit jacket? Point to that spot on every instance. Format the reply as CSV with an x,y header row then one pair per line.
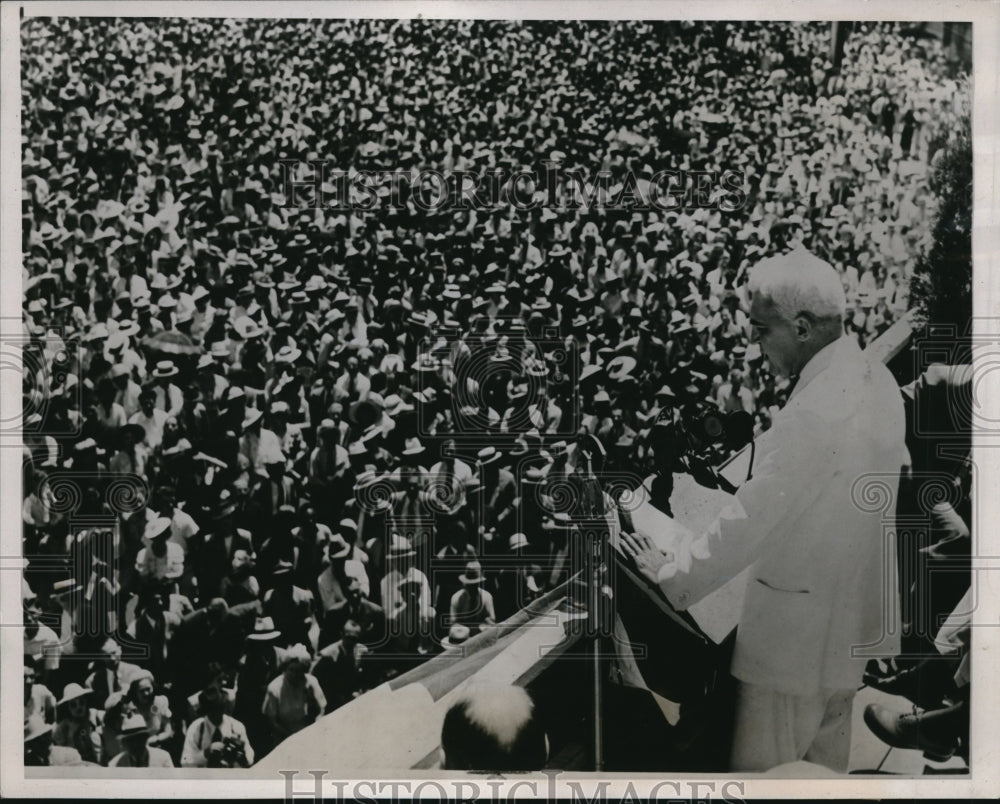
x,y
816,530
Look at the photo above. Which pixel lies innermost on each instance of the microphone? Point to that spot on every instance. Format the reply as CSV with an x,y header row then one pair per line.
x,y
713,425
733,430
593,453
739,431
669,444
677,446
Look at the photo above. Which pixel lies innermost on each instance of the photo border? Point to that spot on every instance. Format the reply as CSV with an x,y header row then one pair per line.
x,y
985,739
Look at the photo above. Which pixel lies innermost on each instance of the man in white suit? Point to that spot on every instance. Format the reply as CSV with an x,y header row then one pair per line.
x,y
822,578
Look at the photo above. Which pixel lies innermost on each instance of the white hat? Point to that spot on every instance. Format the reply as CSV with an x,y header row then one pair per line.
x,y
156,527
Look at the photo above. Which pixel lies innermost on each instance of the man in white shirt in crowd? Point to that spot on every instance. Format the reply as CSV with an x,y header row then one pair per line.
x,y
734,395
127,391
182,525
150,418
352,385
118,352
822,571
160,560
168,397
38,699
215,740
109,674
41,644
260,445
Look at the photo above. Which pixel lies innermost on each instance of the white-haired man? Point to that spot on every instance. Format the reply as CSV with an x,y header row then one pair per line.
x,y
822,577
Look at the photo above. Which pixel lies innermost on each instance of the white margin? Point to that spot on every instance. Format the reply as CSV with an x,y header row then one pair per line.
x,y
985,742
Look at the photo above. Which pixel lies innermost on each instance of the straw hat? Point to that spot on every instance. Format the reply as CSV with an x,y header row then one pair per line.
x,y
156,528
488,456
400,547
165,369
72,691
620,366
457,634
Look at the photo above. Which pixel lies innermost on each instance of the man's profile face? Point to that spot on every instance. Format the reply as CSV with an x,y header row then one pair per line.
x,y
112,655
144,692
214,710
31,621
159,545
776,335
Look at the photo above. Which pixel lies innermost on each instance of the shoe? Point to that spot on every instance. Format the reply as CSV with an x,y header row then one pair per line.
x,y
924,684
917,731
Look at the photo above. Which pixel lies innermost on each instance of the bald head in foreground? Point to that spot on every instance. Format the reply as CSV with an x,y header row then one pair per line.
x,y
493,728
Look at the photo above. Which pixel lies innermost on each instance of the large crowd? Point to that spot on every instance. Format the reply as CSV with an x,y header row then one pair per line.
x,y
276,454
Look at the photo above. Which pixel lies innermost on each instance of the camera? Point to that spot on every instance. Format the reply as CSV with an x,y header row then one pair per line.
x,y
233,754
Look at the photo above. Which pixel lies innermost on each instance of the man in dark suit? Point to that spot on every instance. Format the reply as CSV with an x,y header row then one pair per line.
x,y
340,667
369,616
448,564
221,541
272,491
209,642
499,496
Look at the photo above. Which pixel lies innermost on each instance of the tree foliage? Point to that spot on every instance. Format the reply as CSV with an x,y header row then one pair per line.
x,y
941,286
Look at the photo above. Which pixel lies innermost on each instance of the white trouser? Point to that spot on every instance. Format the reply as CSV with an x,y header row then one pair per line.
x,y
773,728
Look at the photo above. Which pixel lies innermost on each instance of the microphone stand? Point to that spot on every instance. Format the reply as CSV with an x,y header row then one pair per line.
x,y
596,537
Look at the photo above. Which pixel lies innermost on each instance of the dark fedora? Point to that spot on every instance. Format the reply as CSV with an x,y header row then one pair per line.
x,y
473,574
224,506
488,456
134,726
264,630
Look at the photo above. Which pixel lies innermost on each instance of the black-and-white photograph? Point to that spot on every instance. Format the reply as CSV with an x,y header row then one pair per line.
x,y
492,395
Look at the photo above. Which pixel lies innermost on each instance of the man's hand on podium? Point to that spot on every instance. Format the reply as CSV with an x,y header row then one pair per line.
x,y
647,556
